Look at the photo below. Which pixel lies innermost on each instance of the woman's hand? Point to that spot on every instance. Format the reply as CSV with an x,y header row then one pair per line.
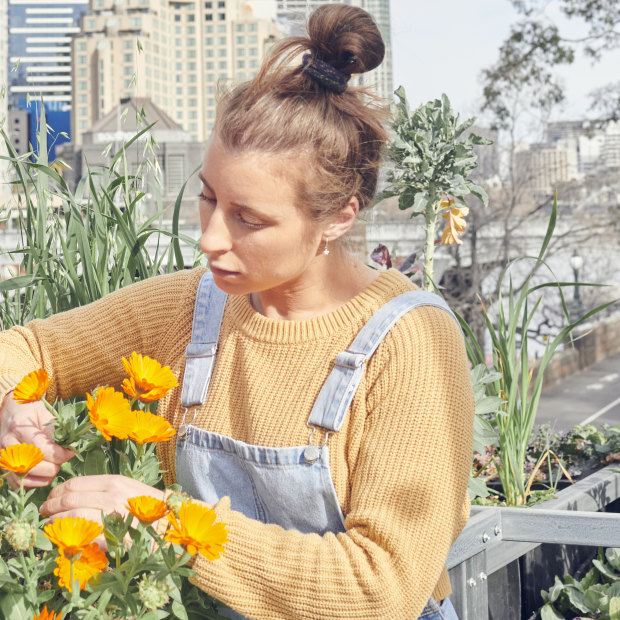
x,y
32,423
90,496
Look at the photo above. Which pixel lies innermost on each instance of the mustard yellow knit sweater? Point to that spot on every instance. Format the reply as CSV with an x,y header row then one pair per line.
x,y
400,462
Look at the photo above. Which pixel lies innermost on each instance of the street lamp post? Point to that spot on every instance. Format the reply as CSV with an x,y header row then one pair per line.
x,y
576,262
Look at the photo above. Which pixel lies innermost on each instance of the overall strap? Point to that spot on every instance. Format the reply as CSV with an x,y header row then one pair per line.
x,y
200,352
333,401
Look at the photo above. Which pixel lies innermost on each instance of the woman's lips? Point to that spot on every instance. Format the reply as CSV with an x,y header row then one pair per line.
x,y
218,271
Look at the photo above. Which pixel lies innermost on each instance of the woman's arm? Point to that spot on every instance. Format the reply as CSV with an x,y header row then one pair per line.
x,y
408,497
82,348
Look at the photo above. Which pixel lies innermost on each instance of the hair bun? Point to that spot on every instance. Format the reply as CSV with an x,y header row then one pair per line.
x,y
346,37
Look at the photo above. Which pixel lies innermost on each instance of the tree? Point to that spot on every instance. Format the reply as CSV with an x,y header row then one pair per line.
x,y
536,46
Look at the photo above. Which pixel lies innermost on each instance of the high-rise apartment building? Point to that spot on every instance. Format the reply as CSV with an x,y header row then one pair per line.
x,y
40,48
39,61
4,31
176,53
292,14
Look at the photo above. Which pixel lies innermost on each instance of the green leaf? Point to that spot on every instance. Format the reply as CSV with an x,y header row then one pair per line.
x,y
549,613
555,590
95,462
476,487
614,608
578,599
179,610
605,570
612,554
406,198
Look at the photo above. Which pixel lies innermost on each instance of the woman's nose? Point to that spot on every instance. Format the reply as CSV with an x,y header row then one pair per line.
x,y
215,236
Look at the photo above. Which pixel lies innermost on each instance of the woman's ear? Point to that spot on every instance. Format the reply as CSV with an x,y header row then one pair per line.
x,y
340,223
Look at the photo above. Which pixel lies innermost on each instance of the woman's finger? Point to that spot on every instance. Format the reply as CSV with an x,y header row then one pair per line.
x,y
88,501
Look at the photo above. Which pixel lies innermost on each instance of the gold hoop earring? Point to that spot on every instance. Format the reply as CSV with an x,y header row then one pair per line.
x,y
326,250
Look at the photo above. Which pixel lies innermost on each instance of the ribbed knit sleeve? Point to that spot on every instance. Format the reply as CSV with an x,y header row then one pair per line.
x,y
407,497
82,348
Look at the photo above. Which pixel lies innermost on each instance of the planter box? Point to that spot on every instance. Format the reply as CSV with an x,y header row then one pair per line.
x,y
497,565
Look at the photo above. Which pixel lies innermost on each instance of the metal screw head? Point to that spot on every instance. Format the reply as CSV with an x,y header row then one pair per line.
x,y
485,537
482,576
497,530
471,582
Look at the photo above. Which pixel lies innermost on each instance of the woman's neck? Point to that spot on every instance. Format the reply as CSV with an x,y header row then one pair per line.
x,y
333,282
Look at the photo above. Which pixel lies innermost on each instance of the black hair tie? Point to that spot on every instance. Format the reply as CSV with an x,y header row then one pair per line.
x,y
325,74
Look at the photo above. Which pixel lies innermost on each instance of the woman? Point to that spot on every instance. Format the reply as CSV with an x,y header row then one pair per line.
x,y
337,454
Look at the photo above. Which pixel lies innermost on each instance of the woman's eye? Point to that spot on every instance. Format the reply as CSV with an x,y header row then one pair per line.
x,y
205,198
250,223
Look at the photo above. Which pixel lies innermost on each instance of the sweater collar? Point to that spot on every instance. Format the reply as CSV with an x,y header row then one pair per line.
x,y
356,311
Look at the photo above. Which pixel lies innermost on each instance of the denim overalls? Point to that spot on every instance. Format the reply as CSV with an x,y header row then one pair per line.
x,y
290,486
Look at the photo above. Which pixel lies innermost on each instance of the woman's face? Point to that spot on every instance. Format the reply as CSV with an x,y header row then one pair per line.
x,y
254,234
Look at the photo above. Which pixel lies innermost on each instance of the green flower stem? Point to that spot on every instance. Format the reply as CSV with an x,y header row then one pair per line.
x,y
429,245
74,592
31,586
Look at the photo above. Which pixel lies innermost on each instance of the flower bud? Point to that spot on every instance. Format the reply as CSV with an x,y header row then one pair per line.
x,y
153,593
21,535
115,528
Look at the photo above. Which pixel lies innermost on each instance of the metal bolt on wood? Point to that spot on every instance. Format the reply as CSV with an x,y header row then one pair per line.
x,y
482,576
497,530
485,537
471,582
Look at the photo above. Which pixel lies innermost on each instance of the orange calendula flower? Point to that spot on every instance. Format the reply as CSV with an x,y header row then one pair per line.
x,y
32,387
91,562
147,509
147,427
110,412
196,531
72,534
20,458
148,379
47,615
454,226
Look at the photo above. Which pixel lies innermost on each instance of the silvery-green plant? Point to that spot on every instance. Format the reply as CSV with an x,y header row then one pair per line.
x,y
432,159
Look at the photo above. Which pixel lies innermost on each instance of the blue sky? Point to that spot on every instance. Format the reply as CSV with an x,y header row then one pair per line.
x,y
442,45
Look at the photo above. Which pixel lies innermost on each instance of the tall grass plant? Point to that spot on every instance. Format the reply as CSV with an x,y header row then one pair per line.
x,y
76,247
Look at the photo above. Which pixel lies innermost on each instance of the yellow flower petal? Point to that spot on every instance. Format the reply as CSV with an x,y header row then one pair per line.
x,y
110,412
20,458
91,562
148,379
147,509
455,225
47,615
147,427
72,534
32,387
196,531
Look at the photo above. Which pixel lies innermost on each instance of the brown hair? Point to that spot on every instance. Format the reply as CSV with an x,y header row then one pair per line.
x,y
284,110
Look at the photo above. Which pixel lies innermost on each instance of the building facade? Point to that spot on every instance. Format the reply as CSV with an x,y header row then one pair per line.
x,y
4,48
39,62
175,53
292,15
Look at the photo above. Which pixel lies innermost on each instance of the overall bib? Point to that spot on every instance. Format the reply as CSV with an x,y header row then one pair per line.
x,y
291,486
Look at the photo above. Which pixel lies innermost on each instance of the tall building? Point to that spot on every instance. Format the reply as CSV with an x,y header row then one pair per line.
x,y
40,36
292,15
4,168
176,53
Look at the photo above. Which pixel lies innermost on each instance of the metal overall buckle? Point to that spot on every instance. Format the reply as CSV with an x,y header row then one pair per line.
x,y
184,426
313,452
